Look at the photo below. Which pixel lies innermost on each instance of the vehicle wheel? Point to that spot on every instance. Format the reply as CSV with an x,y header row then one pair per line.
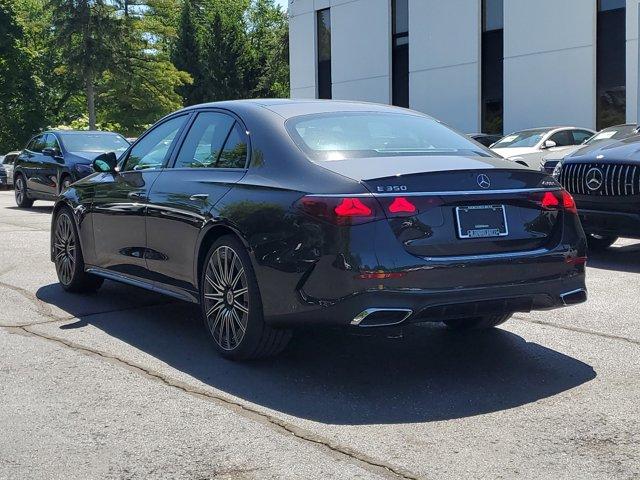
x,y
478,323
65,183
22,197
68,256
599,243
232,307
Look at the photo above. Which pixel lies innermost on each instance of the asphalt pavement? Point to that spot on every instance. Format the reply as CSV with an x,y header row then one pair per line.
x,y
124,384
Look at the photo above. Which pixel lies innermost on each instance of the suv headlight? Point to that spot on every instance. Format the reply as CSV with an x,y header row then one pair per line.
x,y
557,171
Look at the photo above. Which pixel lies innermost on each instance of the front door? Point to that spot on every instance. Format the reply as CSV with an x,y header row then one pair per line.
x,y
210,161
120,201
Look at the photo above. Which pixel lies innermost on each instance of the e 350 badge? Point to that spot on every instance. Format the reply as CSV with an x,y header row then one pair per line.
x,y
392,188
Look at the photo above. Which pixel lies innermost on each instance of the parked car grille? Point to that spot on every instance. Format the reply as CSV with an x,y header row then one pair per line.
x,y
601,179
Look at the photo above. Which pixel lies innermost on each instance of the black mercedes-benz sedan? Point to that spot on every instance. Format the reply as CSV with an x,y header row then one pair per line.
x,y
53,160
605,180
273,214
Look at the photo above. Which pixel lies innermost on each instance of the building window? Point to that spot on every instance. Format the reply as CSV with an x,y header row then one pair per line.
x,y
611,63
492,66
324,53
400,52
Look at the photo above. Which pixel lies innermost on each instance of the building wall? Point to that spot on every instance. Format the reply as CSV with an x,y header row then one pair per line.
x,y
549,65
444,76
550,78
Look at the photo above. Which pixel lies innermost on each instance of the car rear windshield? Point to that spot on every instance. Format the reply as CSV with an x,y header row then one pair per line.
x,y
94,142
525,139
347,135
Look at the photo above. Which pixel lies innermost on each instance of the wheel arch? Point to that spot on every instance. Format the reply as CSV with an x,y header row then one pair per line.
x,y
208,237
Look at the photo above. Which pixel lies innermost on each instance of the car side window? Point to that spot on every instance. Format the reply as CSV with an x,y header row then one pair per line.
x,y
234,153
151,151
204,143
579,136
51,142
562,138
37,144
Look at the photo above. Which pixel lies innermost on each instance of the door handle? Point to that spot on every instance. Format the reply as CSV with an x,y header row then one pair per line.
x,y
199,196
135,196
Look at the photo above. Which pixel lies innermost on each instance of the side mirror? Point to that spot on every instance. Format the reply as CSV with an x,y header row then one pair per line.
x,y
50,152
105,162
549,144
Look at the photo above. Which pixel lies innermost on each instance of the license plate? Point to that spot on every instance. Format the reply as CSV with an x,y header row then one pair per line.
x,y
482,221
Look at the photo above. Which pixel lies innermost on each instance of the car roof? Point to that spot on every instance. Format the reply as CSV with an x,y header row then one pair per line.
x,y
81,132
288,108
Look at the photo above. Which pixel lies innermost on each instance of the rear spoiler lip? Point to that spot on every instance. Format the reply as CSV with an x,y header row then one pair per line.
x,y
442,194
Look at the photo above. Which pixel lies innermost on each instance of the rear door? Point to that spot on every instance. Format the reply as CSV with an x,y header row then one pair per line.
x,y
211,159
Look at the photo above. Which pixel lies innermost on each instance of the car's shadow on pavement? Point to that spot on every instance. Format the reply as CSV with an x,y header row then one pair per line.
x,y
617,258
334,377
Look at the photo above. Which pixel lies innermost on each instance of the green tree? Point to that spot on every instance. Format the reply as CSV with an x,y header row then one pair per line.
x,y
86,33
20,112
140,84
232,49
269,40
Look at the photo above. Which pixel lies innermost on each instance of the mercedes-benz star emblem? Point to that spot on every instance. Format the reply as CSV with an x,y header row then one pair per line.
x,y
594,179
483,181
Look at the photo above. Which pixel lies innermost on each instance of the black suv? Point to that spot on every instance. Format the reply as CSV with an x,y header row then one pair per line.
x,y
605,183
53,160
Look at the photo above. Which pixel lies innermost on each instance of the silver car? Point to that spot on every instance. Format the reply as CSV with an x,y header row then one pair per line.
x,y
529,147
6,168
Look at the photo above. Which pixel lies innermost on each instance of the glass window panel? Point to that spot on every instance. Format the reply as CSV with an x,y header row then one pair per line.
x,y
324,52
152,149
203,144
234,154
492,15
611,64
492,67
400,12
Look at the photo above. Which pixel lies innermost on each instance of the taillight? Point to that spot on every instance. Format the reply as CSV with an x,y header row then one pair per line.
x,y
352,207
549,200
568,203
558,199
341,210
402,205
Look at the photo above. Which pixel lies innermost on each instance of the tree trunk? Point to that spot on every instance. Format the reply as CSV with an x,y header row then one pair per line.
x,y
91,105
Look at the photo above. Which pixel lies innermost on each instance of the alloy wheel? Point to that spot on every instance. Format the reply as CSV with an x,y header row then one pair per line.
x,y
20,193
226,298
64,249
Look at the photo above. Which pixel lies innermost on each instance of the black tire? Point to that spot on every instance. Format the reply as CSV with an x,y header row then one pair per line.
x,y
478,323
599,243
231,305
21,193
65,182
68,256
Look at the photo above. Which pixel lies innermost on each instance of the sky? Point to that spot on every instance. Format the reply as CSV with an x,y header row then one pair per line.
x,y
283,3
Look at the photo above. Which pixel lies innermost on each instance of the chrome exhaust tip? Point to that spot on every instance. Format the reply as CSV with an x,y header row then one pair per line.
x,y
574,297
381,317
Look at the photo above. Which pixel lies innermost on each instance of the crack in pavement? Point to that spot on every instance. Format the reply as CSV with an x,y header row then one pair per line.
x,y
362,460
579,330
44,309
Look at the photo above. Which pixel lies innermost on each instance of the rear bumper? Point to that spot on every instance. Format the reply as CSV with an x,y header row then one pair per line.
x,y
435,306
610,223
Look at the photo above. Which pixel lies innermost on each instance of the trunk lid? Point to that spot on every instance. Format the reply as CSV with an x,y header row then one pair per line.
x,y
470,211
